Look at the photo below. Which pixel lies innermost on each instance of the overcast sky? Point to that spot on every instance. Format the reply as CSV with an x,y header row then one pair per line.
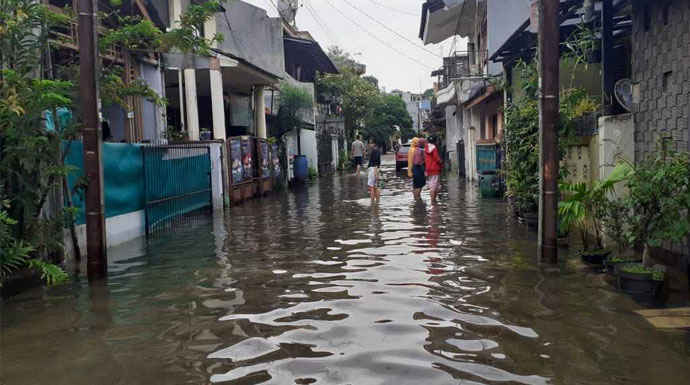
x,y
396,62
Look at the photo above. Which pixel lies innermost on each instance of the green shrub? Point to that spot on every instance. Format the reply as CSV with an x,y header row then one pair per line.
x,y
659,194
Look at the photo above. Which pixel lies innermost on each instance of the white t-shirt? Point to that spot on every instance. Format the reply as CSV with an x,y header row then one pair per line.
x,y
357,148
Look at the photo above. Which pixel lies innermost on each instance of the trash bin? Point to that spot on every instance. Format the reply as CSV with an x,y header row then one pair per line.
x,y
489,184
488,165
301,169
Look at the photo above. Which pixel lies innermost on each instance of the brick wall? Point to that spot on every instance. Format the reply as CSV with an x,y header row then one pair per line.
x,y
661,67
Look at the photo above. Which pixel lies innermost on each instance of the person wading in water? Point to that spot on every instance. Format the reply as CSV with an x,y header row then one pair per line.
x,y
415,166
374,176
358,153
432,167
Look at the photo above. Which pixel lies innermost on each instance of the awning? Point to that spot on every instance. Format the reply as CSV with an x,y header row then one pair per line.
x,y
486,94
442,19
446,95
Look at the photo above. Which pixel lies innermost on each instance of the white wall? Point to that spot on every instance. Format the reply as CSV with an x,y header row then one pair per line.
x,y
309,148
616,141
118,230
216,176
471,122
454,133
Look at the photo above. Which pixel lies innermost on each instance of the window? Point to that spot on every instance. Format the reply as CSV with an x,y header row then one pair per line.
x,y
494,126
647,18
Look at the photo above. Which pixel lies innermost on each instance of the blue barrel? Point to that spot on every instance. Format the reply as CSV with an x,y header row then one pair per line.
x,y
301,168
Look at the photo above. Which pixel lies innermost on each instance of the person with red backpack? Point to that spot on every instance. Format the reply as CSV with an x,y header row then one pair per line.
x,y
433,166
415,166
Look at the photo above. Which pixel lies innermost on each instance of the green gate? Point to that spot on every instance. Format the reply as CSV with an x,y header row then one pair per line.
x,y
177,181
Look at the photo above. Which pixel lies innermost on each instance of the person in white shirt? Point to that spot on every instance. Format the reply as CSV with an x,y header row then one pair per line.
x,y
358,153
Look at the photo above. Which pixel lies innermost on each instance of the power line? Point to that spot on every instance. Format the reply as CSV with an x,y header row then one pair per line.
x,y
320,22
394,9
390,29
373,36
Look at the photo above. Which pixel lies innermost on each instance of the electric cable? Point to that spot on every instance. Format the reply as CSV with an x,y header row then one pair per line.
x,y
373,36
391,29
394,9
321,23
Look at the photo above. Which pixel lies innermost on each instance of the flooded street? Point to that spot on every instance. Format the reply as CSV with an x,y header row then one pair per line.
x,y
317,286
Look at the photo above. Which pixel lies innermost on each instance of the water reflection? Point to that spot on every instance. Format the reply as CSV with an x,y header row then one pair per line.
x,y
320,286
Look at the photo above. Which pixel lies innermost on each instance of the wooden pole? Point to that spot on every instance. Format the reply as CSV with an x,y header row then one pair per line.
x,y
93,165
549,39
608,57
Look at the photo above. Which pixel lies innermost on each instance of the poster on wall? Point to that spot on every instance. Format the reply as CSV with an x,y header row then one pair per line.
x,y
247,158
275,160
236,158
265,159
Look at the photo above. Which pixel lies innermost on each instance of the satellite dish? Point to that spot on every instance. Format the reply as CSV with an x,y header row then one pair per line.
x,y
623,91
288,10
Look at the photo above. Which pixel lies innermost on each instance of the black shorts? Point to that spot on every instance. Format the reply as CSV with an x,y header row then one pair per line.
x,y
357,160
418,177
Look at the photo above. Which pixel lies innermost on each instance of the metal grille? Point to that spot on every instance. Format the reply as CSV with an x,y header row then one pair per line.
x,y
177,183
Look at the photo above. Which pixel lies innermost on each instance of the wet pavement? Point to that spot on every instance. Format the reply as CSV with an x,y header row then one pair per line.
x,y
318,286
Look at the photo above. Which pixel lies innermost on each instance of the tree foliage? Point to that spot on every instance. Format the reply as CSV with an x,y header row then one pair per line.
x,y
522,135
343,60
31,159
659,194
356,95
387,112
32,154
293,99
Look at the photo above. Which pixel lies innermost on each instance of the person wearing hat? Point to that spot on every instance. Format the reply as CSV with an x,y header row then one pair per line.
x,y
433,166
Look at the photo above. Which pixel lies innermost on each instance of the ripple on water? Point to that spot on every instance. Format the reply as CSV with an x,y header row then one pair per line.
x,y
317,286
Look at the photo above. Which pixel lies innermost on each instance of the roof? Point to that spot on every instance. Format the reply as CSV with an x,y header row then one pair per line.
x,y
570,16
308,55
481,95
442,19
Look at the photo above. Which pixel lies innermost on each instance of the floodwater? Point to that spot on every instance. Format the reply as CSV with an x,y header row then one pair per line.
x,y
319,287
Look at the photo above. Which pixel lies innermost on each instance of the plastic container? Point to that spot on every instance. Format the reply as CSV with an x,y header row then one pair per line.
x,y
301,168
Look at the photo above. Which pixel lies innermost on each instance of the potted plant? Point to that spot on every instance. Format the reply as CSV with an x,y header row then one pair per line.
x,y
615,220
659,192
581,209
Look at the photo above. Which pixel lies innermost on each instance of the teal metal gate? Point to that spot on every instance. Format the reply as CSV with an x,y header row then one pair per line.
x,y
177,182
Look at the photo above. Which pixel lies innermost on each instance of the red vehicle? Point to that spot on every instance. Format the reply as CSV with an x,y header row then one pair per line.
x,y
401,156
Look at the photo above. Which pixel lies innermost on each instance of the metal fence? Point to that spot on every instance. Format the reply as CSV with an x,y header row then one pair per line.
x,y
177,183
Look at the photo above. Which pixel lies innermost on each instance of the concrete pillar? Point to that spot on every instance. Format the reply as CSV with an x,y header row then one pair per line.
x,y
260,111
191,103
217,103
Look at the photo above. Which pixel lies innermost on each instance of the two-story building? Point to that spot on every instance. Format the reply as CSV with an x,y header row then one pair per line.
x,y
467,82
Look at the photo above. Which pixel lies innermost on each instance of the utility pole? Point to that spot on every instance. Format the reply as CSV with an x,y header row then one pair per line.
x,y
549,40
608,57
93,165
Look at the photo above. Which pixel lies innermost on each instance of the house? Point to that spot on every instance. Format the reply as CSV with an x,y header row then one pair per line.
x,y
418,107
139,119
466,84
321,137
606,135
